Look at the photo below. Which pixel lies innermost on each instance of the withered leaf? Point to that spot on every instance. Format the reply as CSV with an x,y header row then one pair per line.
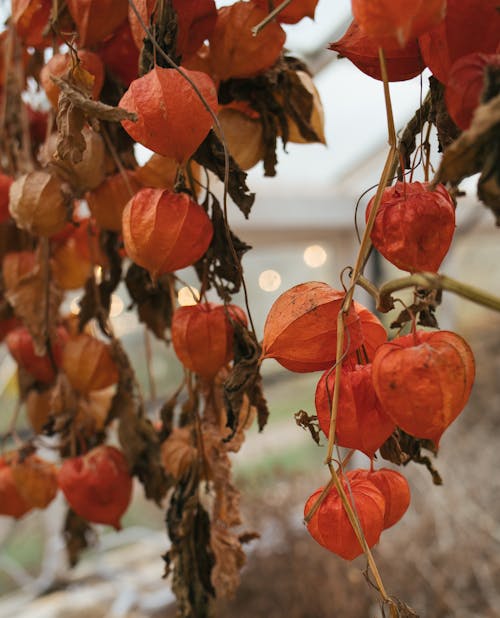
x,y
447,130
164,31
397,609
78,535
309,422
154,305
229,559
210,154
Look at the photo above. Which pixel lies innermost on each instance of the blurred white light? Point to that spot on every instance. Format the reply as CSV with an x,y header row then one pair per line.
x,y
74,306
117,306
269,280
98,274
188,296
315,256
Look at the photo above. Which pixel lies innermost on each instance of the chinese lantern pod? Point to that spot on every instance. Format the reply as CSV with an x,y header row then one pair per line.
x,y
108,200
60,64
5,182
30,19
244,137
70,268
158,172
465,85
373,331
393,486
361,421
42,368
7,325
97,486
16,265
165,231
424,380
178,452
442,46
301,328
317,117
294,12
202,336
330,525
37,203
172,119
88,364
96,19
395,22
195,20
145,9
402,62
36,480
12,503
235,51
414,225
120,54
38,408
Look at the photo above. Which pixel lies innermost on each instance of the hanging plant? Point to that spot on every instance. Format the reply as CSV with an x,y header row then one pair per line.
x,y
294,12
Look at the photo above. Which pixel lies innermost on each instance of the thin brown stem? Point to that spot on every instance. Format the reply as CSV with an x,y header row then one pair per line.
x,y
256,29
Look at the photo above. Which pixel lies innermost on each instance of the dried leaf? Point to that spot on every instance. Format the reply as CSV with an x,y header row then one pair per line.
x,y
229,559
304,420
78,535
397,609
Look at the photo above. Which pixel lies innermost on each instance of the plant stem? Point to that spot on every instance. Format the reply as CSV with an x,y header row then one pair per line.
x,y
256,29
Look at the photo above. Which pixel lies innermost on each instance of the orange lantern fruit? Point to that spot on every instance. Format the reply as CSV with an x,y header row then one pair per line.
x,y
374,333
35,478
330,525
196,21
88,364
97,485
31,18
165,231
424,380
442,46
16,265
414,226
109,199
301,328
395,22
402,62
96,19
172,119
235,51
202,336
393,486
12,503
120,54
361,421
5,182
293,13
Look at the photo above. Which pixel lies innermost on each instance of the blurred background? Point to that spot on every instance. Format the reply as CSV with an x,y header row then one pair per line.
x,y
443,558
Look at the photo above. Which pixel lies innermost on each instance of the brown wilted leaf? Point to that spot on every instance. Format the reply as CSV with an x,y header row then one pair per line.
x,y
397,609
310,423
178,452
229,559
36,301
78,535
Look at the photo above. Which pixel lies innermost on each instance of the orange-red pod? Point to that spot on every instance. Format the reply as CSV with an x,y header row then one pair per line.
x,y
165,231
373,331
109,199
30,18
414,225
12,503
8,325
393,486
120,54
5,182
395,22
294,12
16,265
96,19
202,336
301,328
235,51
361,421
424,380
97,485
21,347
469,26
88,364
59,65
330,526
465,86
402,62
172,120
35,478
196,21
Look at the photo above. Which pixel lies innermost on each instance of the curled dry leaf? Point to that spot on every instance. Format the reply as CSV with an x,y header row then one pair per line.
x,y
229,560
178,453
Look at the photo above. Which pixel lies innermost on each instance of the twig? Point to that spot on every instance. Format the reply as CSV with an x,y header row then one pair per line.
x,y
256,29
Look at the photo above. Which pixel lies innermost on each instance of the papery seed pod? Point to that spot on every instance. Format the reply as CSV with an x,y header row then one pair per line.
x,y
235,51
37,203
172,120
402,62
330,526
442,46
5,182
120,54
178,452
157,173
424,380
202,336
293,13
35,479
301,328
12,503
30,18
7,325
414,225
393,486
16,265
109,199
88,364
96,19
164,248
317,117
395,22
374,333
97,486
60,64
42,368
244,137
38,408
361,421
